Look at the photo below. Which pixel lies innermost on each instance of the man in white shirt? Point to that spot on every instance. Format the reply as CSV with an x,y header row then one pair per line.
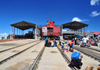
x,y
84,39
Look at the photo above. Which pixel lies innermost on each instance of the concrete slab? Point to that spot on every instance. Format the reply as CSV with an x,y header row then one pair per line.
x,y
23,60
95,47
52,60
87,61
18,41
11,52
6,40
6,45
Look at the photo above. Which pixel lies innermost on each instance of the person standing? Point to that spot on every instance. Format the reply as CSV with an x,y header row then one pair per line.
x,y
60,41
49,42
75,40
87,41
46,41
84,41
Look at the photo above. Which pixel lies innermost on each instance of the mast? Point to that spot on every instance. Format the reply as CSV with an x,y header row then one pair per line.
x,y
50,16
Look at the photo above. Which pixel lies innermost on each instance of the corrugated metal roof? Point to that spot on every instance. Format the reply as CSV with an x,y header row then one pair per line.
x,y
74,25
96,33
23,25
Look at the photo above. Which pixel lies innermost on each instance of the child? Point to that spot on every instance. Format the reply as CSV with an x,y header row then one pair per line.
x,y
65,46
68,48
76,60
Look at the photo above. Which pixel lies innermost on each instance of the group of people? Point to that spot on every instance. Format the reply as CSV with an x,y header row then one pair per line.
x,y
49,44
87,41
83,42
76,56
67,45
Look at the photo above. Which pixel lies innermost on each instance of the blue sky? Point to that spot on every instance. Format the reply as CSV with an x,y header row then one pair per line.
x,y
37,11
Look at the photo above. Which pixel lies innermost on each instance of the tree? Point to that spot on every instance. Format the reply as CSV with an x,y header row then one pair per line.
x,y
8,37
2,38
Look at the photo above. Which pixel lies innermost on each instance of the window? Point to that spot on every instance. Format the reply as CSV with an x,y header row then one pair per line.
x,y
50,29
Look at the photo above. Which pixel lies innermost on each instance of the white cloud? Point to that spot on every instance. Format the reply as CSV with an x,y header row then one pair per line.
x,y
78,19
3,35
94,13
94,2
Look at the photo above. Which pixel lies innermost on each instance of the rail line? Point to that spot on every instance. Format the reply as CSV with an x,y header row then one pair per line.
x,y
1,62
88,52
66,58
16,47
36,62
93,49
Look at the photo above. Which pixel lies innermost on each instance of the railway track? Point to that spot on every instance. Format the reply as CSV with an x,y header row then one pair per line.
x,y
88,52
12,56
36,62
15,47
98,50
66,57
